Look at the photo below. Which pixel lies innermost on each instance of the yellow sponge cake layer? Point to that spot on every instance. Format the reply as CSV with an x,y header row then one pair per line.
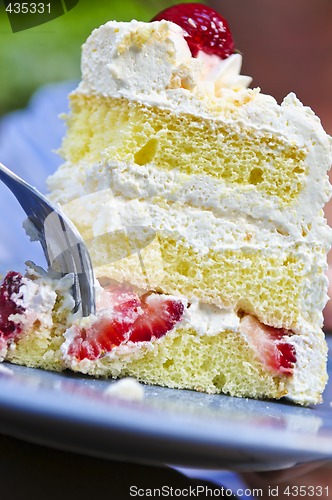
x,y
214,364
272,283
194,145
223,361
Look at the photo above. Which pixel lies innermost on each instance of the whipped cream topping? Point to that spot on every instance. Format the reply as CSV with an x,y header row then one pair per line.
x,y
218,74
150,59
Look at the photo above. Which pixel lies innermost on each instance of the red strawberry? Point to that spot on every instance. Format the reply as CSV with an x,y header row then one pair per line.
x,y
134,319
107,333
11,285
123,301
159,316
95,341
205,29
270,344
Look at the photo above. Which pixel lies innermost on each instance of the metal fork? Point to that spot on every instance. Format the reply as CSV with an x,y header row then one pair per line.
x,y
62,244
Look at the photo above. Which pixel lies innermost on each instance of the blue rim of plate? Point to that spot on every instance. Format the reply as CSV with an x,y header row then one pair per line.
x,y
179,427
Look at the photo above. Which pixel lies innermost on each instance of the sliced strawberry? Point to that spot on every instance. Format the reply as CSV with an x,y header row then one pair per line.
x,y
270,344
124,301
107,332
132,318
160,315
93,342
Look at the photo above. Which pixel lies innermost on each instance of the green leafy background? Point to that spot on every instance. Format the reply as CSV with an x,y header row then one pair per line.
x,y
51,52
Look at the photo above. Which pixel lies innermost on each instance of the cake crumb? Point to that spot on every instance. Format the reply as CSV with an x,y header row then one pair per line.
x,y
127,388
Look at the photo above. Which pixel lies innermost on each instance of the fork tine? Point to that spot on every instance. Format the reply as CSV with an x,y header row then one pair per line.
x,y
66,250
62,244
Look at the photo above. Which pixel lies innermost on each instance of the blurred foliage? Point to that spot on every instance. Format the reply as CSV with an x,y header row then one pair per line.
x,y
51,52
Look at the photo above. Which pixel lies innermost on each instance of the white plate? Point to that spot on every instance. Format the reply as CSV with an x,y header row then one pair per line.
x,y
183,428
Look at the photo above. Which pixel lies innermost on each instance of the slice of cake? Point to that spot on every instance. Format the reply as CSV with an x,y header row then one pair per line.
x,y
201,202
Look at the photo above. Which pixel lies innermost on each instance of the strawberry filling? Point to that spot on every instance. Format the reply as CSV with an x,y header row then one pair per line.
x,y
10,286
133,319
271,345
8,329
143,318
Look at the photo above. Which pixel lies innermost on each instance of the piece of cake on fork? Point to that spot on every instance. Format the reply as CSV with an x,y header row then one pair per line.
x,y
201,202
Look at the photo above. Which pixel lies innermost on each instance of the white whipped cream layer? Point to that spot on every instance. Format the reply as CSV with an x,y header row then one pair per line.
x,y
311,356
37,301
37,296
204,230
238,210
207,319
149,59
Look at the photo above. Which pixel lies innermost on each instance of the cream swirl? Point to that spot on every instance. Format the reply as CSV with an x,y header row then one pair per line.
x,y
140,59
